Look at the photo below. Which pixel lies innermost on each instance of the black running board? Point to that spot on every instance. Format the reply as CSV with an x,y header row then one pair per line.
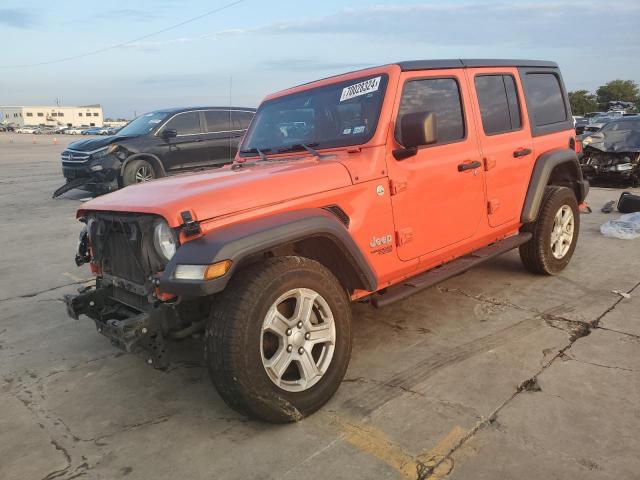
x,y
447,270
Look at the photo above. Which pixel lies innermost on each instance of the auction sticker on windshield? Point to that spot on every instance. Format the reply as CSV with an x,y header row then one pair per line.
x,y
361,88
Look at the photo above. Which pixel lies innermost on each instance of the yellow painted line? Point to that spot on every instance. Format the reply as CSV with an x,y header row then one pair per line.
x,y
376,443
439,454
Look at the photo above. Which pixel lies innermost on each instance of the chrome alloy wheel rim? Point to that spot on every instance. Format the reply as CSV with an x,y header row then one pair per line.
x,y
297,339
562,232
144,174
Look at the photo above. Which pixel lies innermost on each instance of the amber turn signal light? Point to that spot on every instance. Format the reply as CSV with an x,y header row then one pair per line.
x,y
202,272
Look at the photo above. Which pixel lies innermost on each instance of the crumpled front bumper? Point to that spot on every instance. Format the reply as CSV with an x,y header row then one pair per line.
x,y
604,174
129,330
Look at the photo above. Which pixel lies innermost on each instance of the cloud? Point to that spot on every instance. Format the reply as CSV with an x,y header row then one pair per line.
x,y
17,17
529,24
311,65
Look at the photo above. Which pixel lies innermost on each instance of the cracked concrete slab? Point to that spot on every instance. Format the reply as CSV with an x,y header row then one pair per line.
x,y
490,373
36,454
585,414
625,317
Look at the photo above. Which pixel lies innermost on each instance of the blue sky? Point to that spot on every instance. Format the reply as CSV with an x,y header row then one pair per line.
x,y
266,46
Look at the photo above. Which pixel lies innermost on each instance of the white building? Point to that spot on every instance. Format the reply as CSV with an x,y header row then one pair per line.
x,y
87,115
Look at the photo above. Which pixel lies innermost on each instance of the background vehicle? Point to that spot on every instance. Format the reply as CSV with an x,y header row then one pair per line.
x,y
349,188
76,130
154,145
107,131
28,129
92,131
596,122
613,153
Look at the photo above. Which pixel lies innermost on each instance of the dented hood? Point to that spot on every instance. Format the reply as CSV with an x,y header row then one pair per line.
x,y
226,190
617,141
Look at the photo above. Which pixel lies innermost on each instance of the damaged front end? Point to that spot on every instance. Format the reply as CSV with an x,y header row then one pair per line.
x,y
611,167
94,171
125,303
612,156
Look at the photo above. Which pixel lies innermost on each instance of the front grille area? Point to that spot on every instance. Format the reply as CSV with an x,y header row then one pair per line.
x,y
74,156
122,244
138,302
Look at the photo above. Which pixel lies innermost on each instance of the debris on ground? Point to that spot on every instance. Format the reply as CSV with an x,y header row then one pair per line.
x,y
530,385
608,207
628,203
621,293
627,227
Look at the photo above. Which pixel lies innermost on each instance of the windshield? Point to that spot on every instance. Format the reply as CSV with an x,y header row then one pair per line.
x,y
143,124
626,126
337,115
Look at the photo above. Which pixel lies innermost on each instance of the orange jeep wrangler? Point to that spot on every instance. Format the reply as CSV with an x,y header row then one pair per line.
x,y
370,185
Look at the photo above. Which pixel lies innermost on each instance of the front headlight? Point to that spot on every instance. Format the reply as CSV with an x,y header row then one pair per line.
x,y
164,240
103,152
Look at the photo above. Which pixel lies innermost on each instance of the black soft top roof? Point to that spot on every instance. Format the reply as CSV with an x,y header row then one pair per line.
x,y
472,62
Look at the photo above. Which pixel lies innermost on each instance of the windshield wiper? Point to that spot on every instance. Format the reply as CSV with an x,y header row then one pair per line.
x,y
299,146
259,151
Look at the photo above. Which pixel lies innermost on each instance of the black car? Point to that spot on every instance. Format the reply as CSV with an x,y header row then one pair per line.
x,y
613,153
155,145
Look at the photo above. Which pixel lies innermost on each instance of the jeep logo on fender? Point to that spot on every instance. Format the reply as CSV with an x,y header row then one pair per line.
x,y
379,241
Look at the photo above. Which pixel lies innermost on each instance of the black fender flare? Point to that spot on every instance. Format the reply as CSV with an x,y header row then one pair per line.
x,y
541,175
143,156
243,241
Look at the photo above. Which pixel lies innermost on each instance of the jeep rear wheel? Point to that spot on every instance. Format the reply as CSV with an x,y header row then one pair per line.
x,y
137,171
555,232
278,340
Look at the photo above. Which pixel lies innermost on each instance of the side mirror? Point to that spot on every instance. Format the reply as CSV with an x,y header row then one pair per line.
x,y
416,130
168,133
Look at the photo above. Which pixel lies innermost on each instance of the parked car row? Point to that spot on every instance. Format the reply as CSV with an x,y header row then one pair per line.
x,y
59,130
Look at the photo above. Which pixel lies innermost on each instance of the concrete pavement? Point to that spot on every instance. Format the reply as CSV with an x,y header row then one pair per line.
x,y
493,374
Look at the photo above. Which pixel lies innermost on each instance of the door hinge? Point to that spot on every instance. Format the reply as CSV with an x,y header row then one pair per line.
x,y
190,227
493,206
398,185
404,235
489,163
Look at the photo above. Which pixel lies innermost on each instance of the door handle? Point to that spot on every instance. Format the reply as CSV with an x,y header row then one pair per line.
x,y
199,140
469,166
522,152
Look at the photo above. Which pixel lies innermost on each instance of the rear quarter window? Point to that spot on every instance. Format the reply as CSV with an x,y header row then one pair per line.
x,y
545,99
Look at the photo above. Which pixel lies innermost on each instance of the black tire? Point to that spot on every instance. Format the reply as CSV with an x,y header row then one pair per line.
x,y
536,254
134,169
232,347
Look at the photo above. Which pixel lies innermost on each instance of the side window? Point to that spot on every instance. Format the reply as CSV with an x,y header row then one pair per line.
x,y
498,100
185,123
240,120
440,96
544,98
217,120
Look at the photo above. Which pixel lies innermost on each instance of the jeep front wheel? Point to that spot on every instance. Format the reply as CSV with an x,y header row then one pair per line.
x,y
555,232
278,340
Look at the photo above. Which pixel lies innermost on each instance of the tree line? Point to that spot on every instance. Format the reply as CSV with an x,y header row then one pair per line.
x,y
584,101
